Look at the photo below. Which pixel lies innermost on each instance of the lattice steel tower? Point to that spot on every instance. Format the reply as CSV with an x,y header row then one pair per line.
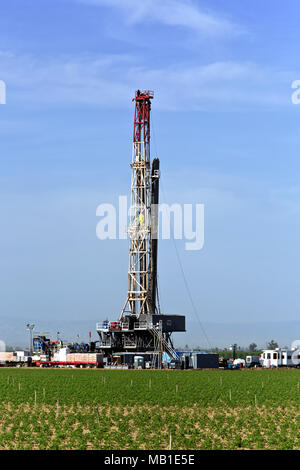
x,y
139,299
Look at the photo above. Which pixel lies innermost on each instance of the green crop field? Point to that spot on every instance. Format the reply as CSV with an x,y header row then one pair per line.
x,y
119,409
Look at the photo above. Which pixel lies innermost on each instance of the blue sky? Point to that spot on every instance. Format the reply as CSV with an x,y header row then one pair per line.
x,y
226,132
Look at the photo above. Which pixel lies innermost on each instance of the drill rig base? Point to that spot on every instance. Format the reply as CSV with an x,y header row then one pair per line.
x,y
141,335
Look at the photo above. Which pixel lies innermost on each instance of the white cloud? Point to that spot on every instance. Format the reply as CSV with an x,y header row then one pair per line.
x,y
110,81
180,13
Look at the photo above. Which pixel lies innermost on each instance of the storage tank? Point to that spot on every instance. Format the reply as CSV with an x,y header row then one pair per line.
x,y
240,362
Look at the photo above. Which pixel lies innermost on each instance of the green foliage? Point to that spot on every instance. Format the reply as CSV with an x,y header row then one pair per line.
x,y
116,409
272,344
227,354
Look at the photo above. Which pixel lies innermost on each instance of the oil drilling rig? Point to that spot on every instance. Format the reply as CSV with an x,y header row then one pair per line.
x,y
141,327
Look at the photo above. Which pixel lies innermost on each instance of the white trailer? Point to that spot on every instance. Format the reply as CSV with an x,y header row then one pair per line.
x,y
280,357
13,358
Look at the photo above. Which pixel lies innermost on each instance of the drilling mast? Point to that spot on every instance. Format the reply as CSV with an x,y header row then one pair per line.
x,y
141,326
140,299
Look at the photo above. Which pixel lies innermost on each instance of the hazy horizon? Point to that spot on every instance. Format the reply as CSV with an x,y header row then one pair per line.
x,y
220,335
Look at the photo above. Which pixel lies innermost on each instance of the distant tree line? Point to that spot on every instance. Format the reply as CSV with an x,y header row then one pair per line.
x,y
241,352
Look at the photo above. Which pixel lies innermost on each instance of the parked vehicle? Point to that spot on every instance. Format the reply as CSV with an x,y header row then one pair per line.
x,y
280,357
252,361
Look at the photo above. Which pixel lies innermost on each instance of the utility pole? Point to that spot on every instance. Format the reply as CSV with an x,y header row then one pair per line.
x,y
233,349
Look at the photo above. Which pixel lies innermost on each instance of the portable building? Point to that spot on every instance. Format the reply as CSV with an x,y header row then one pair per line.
x,y
280,357
205,361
